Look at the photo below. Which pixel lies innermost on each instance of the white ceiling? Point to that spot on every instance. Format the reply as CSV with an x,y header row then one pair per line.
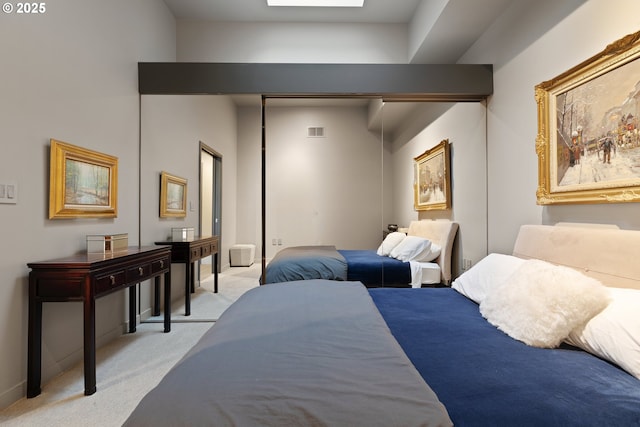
x,y
377,11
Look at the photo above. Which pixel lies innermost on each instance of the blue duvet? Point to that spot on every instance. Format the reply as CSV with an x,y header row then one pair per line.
x,y
486,378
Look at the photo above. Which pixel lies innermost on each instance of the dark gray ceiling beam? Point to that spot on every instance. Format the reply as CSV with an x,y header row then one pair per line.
x,y
450,82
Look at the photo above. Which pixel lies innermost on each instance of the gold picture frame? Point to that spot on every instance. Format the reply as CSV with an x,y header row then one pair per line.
x,y
173,196
588,140
432,179
82,183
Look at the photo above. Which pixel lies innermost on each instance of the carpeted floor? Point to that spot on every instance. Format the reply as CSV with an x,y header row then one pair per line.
x,y
130,366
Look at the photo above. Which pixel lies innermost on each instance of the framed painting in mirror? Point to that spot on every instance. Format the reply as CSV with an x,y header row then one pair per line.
x,y
432,178
173,196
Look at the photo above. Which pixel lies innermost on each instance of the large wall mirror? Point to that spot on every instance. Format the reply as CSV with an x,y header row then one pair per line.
x,y
338,170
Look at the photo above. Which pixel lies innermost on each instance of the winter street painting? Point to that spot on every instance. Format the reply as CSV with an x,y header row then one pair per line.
x,y
588,141
432,178
598,139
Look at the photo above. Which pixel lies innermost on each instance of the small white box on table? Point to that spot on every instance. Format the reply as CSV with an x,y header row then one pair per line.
x,y
105,243
182,234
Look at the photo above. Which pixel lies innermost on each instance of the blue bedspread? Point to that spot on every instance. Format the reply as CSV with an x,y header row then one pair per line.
x,y
325,262
373,270
485,378
306,263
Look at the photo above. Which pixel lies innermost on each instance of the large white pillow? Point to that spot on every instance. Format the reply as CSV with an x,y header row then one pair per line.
x,y
412,248
490,271
391,241
541,303
614,334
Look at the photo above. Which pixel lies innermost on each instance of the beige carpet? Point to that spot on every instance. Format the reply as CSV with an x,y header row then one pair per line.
x,y
130,366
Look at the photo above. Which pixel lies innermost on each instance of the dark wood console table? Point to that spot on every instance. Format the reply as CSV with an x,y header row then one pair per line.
x,y
188,252
86,277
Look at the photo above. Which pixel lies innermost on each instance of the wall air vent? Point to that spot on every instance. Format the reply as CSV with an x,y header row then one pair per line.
x,y
315,132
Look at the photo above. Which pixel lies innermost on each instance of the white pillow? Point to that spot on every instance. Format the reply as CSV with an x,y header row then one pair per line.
x,y
434,252
541,303
391,241
412,248
490,271
614,334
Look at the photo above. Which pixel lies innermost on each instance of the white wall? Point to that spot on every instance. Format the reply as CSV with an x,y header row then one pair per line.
x,y
172,128
531,43
323,191
291,42
68,74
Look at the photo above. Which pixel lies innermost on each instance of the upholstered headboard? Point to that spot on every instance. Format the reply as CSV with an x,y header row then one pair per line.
x,y
443,233
609,255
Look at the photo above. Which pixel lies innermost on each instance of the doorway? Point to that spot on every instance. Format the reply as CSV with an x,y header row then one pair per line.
x,y
210,202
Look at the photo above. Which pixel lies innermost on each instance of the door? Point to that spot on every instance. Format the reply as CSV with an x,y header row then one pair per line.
x,y
210,201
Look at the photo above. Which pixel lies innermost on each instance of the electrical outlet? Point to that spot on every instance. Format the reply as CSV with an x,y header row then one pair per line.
x,y
279,242
466,264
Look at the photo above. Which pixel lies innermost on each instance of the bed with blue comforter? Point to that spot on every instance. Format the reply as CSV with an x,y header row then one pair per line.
x,y
327,262
328,353
374,268
320,352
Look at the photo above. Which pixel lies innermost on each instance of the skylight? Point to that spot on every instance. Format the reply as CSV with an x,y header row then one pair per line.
x,y
316,3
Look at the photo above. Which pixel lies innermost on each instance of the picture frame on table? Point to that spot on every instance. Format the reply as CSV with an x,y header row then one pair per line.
x,y
588,141
173,196
432,178
82,183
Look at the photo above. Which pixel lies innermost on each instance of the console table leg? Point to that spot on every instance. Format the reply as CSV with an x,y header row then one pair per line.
x,y
156,299
215,273
34,351
193,277
188,277
89,341
132,308
167,300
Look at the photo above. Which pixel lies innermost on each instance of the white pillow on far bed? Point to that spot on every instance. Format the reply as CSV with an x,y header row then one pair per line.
x,y
391,241
412,248
614,334
541,303
434,253
490,271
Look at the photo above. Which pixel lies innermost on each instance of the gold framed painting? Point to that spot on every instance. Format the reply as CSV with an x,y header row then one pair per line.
x,y
173,196
432,179
82,183
588,142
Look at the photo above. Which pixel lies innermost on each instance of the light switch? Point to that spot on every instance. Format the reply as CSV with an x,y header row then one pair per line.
x,y
9,192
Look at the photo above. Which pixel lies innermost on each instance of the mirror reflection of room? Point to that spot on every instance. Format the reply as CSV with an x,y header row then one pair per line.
x,y
339,172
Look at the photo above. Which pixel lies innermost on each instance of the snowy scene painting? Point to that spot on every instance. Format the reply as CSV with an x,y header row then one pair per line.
x,y
432,187
588,143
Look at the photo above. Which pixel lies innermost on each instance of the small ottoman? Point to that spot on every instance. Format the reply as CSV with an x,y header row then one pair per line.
x,y
242,255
